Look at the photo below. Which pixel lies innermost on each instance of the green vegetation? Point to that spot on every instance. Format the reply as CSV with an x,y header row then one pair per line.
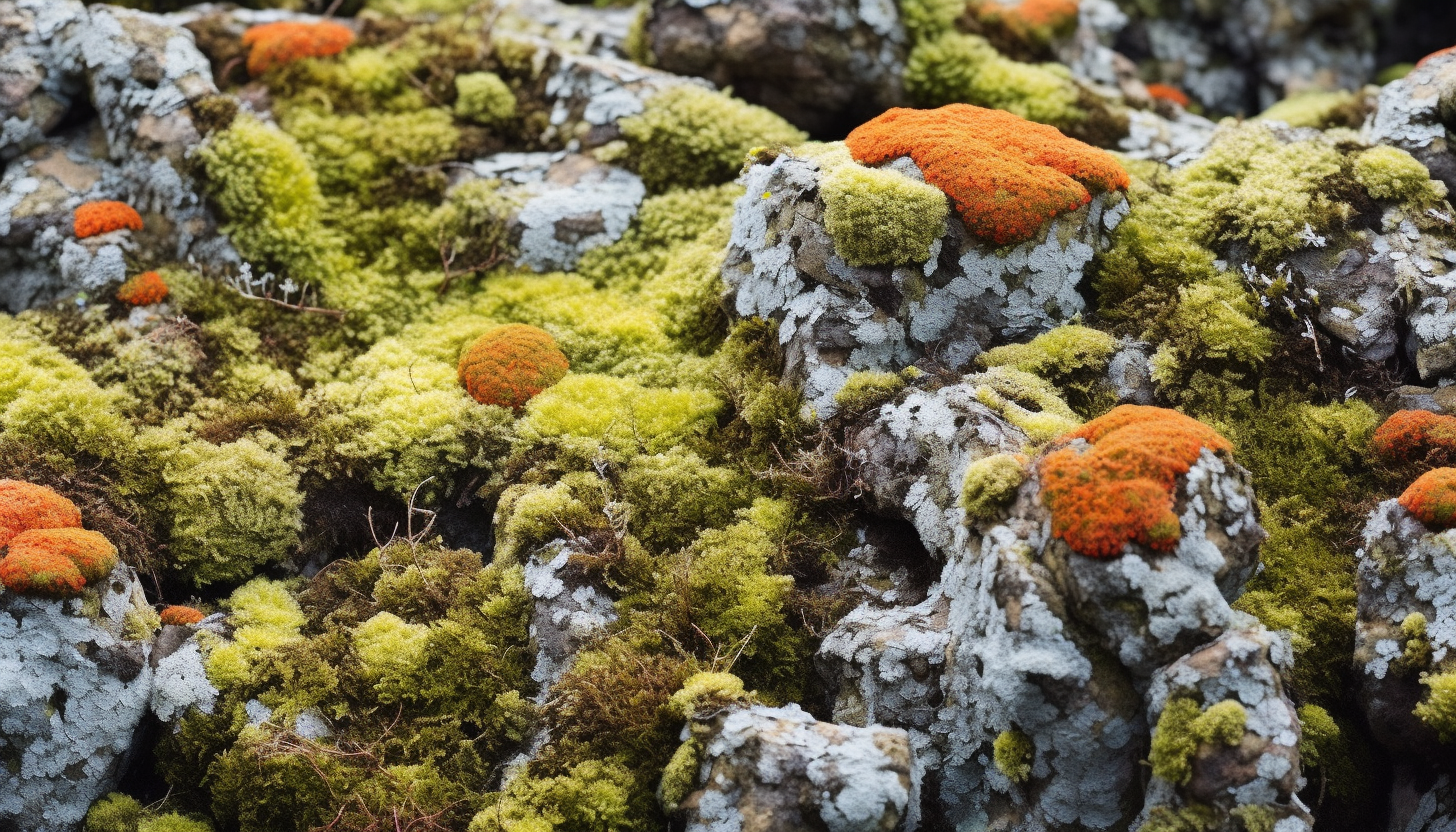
x,y
1013,753
990,485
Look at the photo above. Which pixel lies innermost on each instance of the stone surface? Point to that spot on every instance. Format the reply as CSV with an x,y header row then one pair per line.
x,y
835,319
1414,114
73,691
1262,769
779,769
825,65
567,612
1403,569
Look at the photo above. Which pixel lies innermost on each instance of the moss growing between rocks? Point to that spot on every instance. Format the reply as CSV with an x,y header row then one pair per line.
x,y
1193,818
990,485
690,137
1173,741
1438,708
1013,752
1389,173
1072,357
865,390
1321,110
1026,401
482,97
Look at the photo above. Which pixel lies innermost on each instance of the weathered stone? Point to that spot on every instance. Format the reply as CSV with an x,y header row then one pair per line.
x,y
1414,113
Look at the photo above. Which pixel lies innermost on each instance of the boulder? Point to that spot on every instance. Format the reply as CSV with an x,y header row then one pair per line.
x,y
1414,114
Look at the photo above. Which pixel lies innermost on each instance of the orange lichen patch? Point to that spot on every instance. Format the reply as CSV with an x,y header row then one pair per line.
x,y
509,364
94,218
25,506
90,551
144,289
1006,175
276,44
1416,436
1035,12
34,571
181,616
1450,50
1432,498
1167,92
1120,490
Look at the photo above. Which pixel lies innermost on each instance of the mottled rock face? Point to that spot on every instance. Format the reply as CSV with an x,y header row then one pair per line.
x,y
767,769
72,693
568,611
1432,810
825,65
142,75
1404,570
1414,113
835,319
1257,765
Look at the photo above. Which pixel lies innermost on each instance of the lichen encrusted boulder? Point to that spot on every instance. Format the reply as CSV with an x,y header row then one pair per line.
x,y
1413,113
927,237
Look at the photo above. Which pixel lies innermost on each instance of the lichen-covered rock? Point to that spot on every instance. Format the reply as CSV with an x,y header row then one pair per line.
x,y
1173,141
964,295
1432,810
564,204
766,769
1414,113
1225,748
1405,625
73,689
567,612
143,76
825,66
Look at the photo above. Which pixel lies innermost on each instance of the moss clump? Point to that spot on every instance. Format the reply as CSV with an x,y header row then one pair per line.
x,y
1389,173
1319,109
591,795
1223,723
701,496
1026,401
688,136
482,97
234,507
680,775
879,217
389,648
1173,741
1072,357
587,410
990,485
1214,328
114,813
959,68
264,617
866,390
1438,708
707,691
1013,753
1195,818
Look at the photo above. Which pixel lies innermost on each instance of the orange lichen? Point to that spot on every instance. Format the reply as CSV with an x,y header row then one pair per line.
x,y
1167,92
25,506
94,218
1120,489
90,551
181,616
1410,436
1035,12
509,364
1432,498
1450,50
144,289
37,571
276,44
1006,175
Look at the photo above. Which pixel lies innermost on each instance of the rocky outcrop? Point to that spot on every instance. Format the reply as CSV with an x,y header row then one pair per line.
x,y
766,769
835,318
825,65
145,79
73,690
1415,112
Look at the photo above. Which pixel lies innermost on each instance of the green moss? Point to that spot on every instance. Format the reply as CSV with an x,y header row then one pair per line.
x,y
357,154
1438,708
927,19
267,791
990,485
1416,654
676,493
1072,357
707,691
1389,173
140,623
1223,723
959,68
173,822
1314,109
1211,344
1195,818
1173,741
389,649
1394,72
1255,817
482,97
689,137
528,516
590,410
1026,401
264,616
49,401
680,775
592,795
1013,753
878,217
115,812
866,390
234,508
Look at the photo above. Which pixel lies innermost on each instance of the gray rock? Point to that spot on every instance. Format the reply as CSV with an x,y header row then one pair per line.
x,y
1261,769
1434,399
1174,141
1403,570
768,769
567,612
835,319
1414,113
72,692
825,65
1432,810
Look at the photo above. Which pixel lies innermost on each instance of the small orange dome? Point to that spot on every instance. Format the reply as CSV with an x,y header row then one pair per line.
x,y
39,571
181,616
1432,498
25,506
90,551
509,364
94,218
276,44
144,289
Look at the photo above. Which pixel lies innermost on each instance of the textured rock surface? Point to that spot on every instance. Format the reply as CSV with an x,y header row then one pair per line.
x,y
72,693
567,612
835,319
143,76
1433,810
1414,113
777,768
1260,768
825,65
1404,569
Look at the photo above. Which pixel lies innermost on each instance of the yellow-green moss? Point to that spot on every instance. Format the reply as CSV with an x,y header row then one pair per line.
x,y
1223,723
115,812
1317,109
618,414
1438,708
1029,402
592,795
1194,818
1174,744
677,493
688,136
960,68
482,97
712,690
50,402
1013,753
680,775
1389,173
140,623
1255,817
528,516
926,19
264,616
389,649
990,485
866,390
878,217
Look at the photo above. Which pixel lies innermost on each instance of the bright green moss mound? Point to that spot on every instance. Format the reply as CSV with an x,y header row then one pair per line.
x,y
1392,174
1183,726
689,137
1027,401
122,813
1013,753
875,216
1438,708
990,484
482,97
959,68
1315,109
865,390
